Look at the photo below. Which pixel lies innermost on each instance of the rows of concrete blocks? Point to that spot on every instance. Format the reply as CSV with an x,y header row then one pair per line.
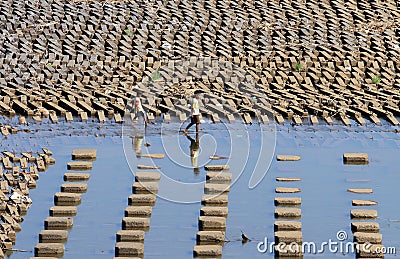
x,y
55,233
287,211
19,176
365,231
136,221
212,220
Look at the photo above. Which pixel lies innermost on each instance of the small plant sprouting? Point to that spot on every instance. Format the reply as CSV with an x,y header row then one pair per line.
x,y
298,66
128,32
48,64
376,79
156,76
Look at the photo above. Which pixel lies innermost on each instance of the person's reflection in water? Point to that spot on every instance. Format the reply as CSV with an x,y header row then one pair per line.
x,y
194,151
137,145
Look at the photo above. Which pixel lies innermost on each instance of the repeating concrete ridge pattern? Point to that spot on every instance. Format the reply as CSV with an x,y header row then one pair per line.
x,y
295,60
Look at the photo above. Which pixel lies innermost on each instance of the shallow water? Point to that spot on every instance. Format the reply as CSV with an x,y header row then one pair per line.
x,y
325,180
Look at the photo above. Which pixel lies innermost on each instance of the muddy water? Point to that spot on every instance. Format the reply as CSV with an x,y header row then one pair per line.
x,y
325,209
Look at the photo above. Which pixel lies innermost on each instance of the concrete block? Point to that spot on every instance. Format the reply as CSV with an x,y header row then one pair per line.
x,y
207,251
145,187
360,191
154,156
287,158
363,214
49,249
371,227
214,211
53,236
138,211
79,165
288,237
287,226
210,237
129,249
363,237
56,211
371,252
216,167
130,236
76,177
84,154
215,188
212,223
363,203
285,179
74,187
58,223
142,199
148,167
130,223
65,198
147,176
287,201
287,190
355,158
287,213
288,251
219,177
217,201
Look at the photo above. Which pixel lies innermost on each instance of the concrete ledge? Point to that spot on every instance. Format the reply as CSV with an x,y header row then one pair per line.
x,y
287,226
287,201
360,191
145,187
138,211
84,154
142,199
355,158
207,251
63,211
53,236
288,237
287,190
219,177
210,237
148,167
80,165
216,201
285,179
129,223
49,249
363,237
65,198
147,176
215,188
363,214
363,203
58,223
287,158
216,167
212,223
129,249
76,177
130,236
287,213
371,227
74,187
214,211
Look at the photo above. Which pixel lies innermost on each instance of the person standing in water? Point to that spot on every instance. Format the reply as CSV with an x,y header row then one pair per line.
x,y
138,109
195,113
